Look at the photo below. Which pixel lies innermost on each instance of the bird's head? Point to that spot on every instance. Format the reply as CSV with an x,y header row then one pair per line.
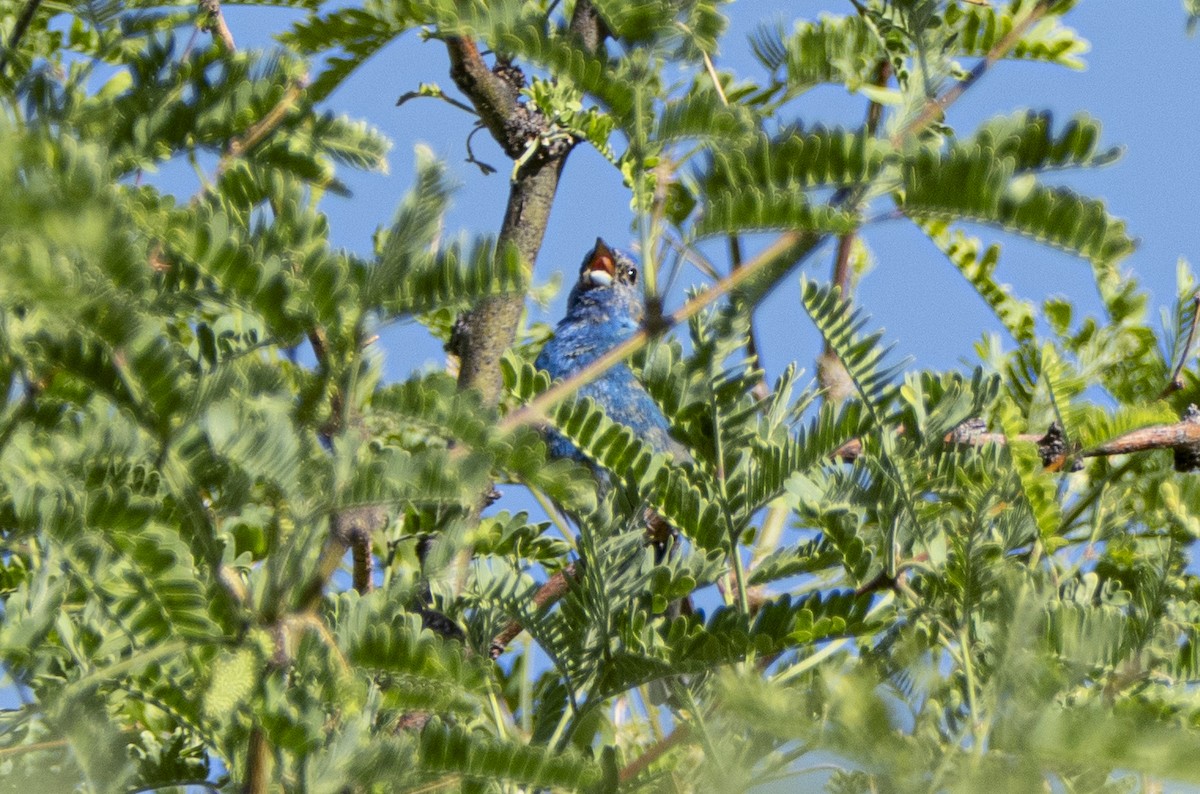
x,y
607,283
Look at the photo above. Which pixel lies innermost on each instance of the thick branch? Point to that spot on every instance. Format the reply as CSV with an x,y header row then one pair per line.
x,y
493,95
1181,434
490,328
257,758
216,23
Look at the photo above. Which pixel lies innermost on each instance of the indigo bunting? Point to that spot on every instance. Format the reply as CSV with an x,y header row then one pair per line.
x,y
603,310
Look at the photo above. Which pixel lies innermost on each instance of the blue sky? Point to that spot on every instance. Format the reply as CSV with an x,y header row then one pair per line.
x,y
1139,82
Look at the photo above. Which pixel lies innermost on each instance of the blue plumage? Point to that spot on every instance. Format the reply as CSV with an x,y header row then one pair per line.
x,y
603,310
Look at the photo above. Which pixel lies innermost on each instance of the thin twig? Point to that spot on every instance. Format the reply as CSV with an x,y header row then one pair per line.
x,y
761,389
831,371
37,747
263,127
716,79
936,107
656,751
410,95
1175,383
546,595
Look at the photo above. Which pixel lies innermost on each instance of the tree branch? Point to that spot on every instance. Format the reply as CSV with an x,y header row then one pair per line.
x,y
555,588
257,757
263,127
490,327
1183,435
216,23
761,389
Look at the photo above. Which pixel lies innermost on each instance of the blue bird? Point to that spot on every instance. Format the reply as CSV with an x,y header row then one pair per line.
x,y
603,310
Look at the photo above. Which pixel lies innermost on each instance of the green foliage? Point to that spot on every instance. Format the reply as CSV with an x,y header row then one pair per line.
x,y
194,435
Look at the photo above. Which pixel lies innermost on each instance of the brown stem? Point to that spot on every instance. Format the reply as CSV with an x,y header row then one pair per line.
x,y
761,389
257,757
216,23
349,528
360,552
1155,437
656,751
1181,434
263,127
555,588
36,747
490,328
831,372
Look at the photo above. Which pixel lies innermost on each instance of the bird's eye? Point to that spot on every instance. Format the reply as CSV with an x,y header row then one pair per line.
x,y
631,274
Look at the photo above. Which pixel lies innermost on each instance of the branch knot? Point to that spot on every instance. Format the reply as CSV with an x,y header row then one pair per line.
x,y
1187,456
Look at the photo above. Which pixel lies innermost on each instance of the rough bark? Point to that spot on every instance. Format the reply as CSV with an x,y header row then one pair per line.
x,y
485,332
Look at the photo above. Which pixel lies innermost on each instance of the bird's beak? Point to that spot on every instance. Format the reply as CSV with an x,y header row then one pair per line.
x,y
601,266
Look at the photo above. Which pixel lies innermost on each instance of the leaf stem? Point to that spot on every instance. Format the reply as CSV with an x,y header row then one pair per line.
x,y
37,747
964,639
1175,382
936,107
